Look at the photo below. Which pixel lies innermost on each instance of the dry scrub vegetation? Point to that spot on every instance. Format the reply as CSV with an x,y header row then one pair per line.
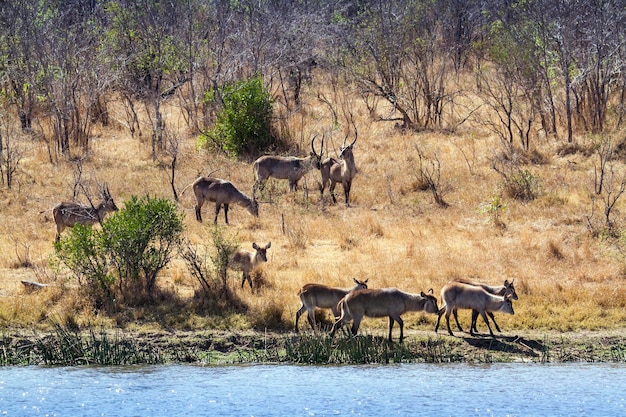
x,y
394,235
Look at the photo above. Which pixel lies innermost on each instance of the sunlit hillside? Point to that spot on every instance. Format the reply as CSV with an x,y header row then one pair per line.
x,y
394,234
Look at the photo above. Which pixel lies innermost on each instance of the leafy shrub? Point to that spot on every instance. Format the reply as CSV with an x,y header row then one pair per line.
x,y
522,185
243,126
141,239
494,209
132,247
81,251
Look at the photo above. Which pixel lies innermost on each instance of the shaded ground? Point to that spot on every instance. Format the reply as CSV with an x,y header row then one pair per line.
x,y
221,347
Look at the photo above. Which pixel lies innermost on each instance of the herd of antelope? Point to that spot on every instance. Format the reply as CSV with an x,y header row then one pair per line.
x,y
223,193
352,304
349,304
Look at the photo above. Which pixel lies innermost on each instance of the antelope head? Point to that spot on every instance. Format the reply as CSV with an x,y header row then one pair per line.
x,y
344,150
315,158
107,200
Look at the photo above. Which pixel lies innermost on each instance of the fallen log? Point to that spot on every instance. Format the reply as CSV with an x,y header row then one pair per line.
x,y
31,285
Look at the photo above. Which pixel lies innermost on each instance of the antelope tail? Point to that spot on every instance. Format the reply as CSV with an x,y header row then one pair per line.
x,y
344,309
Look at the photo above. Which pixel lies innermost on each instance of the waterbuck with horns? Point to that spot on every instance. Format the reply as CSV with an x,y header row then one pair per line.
x,y
385,302
68,214
286,167
342,170
245,261
323,296
222,193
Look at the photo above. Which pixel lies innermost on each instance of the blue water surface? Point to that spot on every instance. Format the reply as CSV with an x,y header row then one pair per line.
x,y
287,390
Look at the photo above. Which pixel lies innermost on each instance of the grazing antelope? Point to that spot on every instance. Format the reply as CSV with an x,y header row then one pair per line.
x,y
389,302
505,290
341,171
68,214
323,296
286,167
246,261
223,193
457,295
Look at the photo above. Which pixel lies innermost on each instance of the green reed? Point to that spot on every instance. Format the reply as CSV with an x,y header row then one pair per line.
x,y
68,347
15,350
365,349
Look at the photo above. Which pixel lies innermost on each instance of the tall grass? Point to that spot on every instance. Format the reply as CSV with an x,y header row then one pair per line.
x,y
394,234
366,349
66,347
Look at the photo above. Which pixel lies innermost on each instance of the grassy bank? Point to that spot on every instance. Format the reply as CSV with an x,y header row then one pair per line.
x,y
65,347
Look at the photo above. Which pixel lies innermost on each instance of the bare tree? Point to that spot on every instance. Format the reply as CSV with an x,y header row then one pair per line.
x,y
72,77
609,185
21,66
509,114
598,60
172,149
395,51
149,48
11,152
429,176
604,151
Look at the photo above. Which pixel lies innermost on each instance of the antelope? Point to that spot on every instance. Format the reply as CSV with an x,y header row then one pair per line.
x,y
222,193
505,290
68,214
286,167
389,302
323,296
246,261
340,171
457,295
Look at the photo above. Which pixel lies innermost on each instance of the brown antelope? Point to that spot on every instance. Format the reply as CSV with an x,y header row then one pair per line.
x,y
505,290
286,167
389,302
323,296
342,170
246,261
457,295
68,214
222,193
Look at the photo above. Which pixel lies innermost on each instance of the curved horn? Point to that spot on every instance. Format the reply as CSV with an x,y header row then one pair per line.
x,y
344,140
104,190
356,133
322,146
312,143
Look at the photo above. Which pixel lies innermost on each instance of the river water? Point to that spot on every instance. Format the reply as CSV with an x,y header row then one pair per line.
x,y
287,390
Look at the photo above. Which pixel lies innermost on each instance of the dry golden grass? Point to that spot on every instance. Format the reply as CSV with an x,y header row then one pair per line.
x,y
394,235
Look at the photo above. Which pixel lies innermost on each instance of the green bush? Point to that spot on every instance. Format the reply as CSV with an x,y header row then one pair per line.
x,y
141,239
243,125
522,185
132,247
81,251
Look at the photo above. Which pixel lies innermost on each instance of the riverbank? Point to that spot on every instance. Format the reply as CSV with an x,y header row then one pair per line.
x,y
106,347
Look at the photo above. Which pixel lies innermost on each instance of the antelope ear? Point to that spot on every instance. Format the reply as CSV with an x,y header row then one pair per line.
x,y
268,245
355,280
255,246
430,291
365,282
506,282
422,294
